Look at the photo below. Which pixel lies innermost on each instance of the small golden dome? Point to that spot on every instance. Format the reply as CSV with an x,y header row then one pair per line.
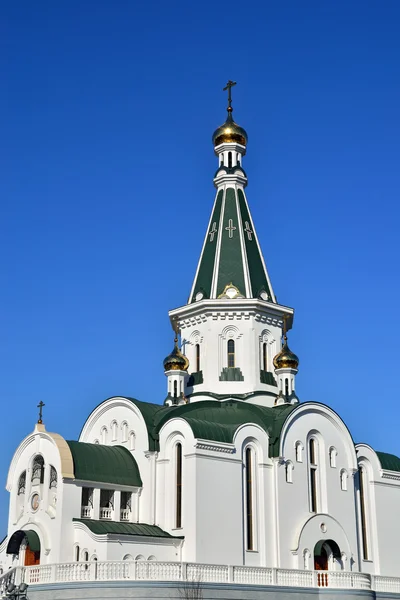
x,y
286,359
176,361
229,132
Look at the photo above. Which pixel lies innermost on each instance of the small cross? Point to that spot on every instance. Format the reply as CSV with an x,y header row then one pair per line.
x,y
230,228
248,230
40,407
229,87
212,232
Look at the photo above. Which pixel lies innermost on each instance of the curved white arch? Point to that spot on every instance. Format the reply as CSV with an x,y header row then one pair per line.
x,y
104,407
332,416
66,461
309,533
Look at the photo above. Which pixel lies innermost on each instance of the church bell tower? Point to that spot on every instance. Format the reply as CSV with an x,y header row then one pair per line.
x,y
232,326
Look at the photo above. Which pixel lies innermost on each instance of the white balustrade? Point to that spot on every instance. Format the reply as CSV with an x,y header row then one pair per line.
x,y
177,571
125,514
86,512
105,513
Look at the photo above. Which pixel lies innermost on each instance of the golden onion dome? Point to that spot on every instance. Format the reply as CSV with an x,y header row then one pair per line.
x,y
229,132
176,361
286,359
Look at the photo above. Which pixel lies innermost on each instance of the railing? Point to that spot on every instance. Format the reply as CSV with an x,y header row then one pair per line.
x,y
125,514
105,513
86,512
176,571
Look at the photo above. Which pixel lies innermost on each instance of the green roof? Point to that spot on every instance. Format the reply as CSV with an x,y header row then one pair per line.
x,y
389,462
215,420
231,253
106,464
116,528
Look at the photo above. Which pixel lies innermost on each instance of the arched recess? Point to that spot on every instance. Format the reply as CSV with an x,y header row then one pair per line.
x,y
321,528
230,332
30,540
267,351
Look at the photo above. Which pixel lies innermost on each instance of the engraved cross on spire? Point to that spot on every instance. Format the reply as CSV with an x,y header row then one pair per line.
x,y
230,228
229,87
212,232
248,230
40,407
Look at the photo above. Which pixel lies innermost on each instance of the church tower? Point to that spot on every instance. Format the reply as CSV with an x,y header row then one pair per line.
x,y
232,326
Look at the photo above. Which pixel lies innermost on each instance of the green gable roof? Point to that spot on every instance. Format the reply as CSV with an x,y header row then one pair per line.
x,y
105,464
389,462
117,528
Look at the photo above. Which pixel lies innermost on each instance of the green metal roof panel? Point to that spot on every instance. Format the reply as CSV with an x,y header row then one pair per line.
x,y
218,421
106,464
389,462
206,268
118,528
230,268
258,276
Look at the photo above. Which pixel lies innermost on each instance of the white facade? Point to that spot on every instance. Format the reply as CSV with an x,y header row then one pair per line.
x,y
238,472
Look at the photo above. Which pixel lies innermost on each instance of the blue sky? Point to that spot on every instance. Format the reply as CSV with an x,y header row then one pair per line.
x,y
107,111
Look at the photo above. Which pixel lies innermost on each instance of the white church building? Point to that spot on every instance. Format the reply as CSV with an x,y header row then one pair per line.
x,y
230,480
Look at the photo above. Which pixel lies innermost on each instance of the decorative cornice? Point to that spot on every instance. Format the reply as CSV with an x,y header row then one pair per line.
x,y
215,447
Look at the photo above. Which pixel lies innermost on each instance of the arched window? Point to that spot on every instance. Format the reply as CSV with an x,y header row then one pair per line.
x,y
287,386
265,356
77,553
229,159
238,159
86,556
332,457
124,429
249,499
363,508
178,516
96,442
38,469
103,435
114,430
197,357
313,468
53,478
343,480
299,452
132,440
139,557
22,484
289,472
231,353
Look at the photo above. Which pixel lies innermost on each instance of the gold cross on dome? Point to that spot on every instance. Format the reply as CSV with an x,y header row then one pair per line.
x,y
40,407
229,87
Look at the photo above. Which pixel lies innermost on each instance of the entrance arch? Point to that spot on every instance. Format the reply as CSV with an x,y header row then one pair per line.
x,y
325,551
31,541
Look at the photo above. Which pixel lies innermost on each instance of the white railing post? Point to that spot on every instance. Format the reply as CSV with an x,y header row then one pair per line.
x,y
184,572
274,576
230,574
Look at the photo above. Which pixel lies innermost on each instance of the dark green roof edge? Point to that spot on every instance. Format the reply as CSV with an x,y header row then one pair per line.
x,y
122,528
389,462
104,464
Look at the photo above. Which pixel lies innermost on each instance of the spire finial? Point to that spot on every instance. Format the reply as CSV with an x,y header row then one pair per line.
x,y
285,318
40,407
229,87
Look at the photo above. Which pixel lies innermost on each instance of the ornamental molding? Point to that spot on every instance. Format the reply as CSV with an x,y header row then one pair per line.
x,y
394,475
215,447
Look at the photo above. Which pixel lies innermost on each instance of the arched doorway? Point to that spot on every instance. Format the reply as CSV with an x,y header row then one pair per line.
x,y
325,551
28,539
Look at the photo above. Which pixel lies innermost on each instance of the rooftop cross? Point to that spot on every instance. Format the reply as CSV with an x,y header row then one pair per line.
x,y
229,87
40,407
